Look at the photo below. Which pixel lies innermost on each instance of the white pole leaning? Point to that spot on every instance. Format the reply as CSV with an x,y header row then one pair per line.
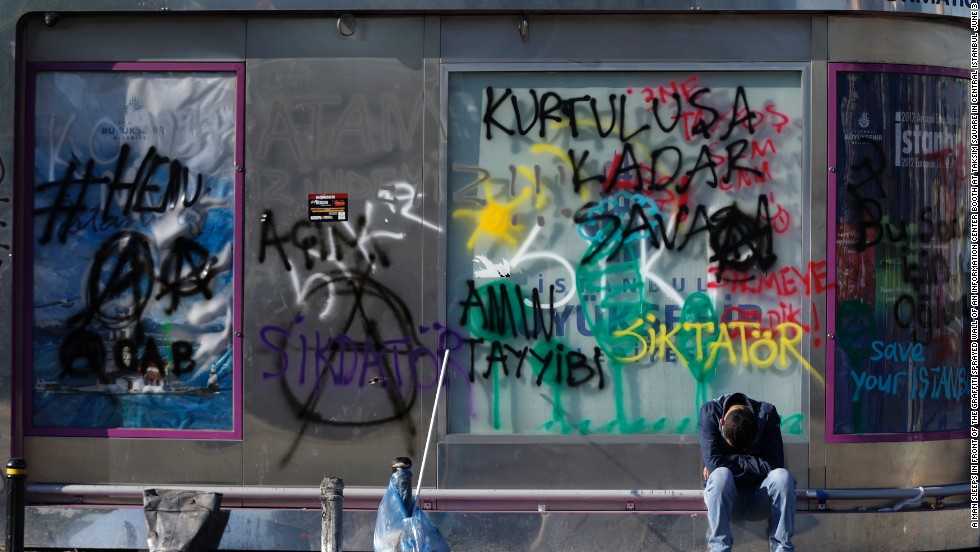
x,y
432,422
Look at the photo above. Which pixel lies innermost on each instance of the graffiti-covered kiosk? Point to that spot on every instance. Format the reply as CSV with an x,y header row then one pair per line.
x,y
241,238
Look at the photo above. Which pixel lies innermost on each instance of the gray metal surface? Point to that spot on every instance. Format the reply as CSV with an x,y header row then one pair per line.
x,y
904,531
902,464
818,248
887,41
334,114
584,464
955,8
83,37
129,461
616,38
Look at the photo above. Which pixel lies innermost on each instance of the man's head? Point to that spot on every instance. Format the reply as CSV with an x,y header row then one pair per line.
x,y
739,426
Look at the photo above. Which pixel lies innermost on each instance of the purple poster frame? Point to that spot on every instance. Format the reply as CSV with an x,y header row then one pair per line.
x,y
22,418
834,70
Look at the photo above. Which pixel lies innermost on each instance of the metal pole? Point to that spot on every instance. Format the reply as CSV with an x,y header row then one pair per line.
x,y
16,484
332,528
432,422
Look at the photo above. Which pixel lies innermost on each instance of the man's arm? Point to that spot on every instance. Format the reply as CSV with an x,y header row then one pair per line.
x,y
715,452
745,467
769,457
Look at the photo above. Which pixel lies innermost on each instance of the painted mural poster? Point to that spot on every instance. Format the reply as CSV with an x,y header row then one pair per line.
x,y
625,245
899,229
131,295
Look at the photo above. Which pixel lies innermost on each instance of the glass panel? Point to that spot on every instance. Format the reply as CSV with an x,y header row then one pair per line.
x,y
902,258
623,246
133,208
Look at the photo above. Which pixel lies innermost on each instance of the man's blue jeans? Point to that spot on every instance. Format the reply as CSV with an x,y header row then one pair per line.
x,y
774,498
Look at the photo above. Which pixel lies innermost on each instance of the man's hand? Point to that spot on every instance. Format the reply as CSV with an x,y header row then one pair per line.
x,y
705,473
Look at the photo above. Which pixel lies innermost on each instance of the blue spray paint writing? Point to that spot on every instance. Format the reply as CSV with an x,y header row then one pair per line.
x,y
940,382
897,352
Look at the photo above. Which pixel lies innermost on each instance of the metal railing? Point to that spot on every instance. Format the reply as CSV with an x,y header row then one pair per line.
x,y
367,496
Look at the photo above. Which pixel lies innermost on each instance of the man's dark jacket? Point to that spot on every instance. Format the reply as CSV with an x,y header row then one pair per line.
x,y
752,464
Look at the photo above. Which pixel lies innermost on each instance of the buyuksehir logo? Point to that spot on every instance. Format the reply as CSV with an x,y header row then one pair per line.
x,y
864,121
861,130
133,104
136,125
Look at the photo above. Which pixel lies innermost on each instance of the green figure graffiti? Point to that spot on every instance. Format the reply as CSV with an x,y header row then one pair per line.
x,y
698,317
594,281
856,328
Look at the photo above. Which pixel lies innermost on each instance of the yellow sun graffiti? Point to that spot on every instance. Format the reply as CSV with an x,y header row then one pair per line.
x,y
494,219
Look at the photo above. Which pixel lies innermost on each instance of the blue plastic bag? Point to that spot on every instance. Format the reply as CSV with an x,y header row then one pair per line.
x,y
397,531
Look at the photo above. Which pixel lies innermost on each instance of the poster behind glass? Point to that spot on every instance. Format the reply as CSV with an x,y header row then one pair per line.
x,y
133,235
900,229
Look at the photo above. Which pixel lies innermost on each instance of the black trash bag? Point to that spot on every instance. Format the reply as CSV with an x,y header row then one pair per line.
x,y
181,521
398,531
